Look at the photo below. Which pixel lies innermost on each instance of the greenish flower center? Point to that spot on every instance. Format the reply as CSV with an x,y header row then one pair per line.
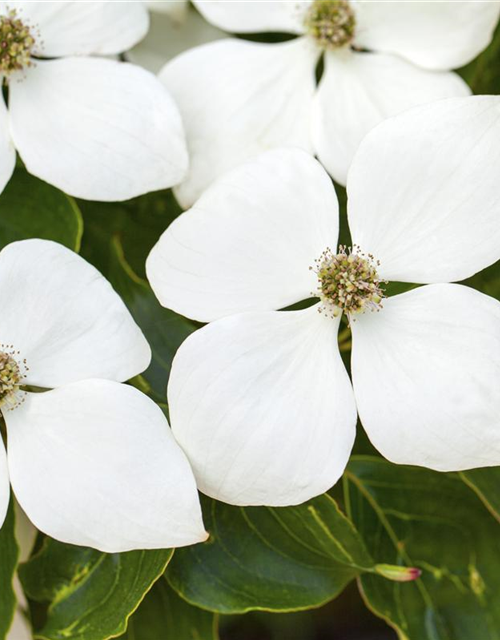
x,y
10,379
331,23
16,44
348,282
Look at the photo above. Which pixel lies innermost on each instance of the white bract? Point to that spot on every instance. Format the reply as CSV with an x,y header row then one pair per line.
x,y
91,461
239,98
94,127
260,399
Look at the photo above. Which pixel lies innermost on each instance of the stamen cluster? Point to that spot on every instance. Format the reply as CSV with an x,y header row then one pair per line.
x,y
11,377
331,23
16,44
348,281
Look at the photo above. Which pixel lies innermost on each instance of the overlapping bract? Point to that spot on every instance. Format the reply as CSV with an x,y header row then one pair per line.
x,y
239,98
95,128
259,399
91,461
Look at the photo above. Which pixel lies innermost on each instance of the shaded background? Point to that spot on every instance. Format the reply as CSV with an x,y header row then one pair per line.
x,y
345,618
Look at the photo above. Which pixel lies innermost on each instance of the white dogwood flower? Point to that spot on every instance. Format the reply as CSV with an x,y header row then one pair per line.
x,y
94,127
239,98
91,461
260,399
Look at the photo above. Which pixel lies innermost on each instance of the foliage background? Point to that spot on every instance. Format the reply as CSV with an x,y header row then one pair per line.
x,y
301,574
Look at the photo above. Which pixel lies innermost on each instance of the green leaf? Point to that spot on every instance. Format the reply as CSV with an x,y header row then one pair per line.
x,y
90,594
487,281
138,223
9,553
435,522
30,208
164,616
485,483
483,74
277,559
164,329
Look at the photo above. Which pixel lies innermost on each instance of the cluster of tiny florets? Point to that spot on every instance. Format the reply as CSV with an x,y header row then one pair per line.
x,y
11,377
348,281
16,43
331,23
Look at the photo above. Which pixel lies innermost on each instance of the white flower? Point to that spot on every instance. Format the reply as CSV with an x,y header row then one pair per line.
x,y
259,399
95,128
239,98
91,461
175,27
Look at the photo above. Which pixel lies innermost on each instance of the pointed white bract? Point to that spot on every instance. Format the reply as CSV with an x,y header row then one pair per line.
x,y
239,258
95,128
117,480
239,98
358,90
91,461
420,229
432,35
83,28
257,97
426,372
245,16
65,318
260,400
249,395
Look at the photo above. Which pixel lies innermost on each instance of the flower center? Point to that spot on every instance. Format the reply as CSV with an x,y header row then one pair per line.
x,y
11,378
331,23
348,281
16,44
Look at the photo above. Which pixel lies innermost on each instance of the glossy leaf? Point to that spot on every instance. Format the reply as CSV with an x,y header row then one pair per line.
x,y
278,559
435,522
138,224
483,73
9,553
485,482
487,281
164,616
30,208
164,329
90,594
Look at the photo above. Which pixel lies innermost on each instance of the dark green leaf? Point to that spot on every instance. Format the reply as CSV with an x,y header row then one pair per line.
x,y
487,281
30,208
164,329
433,521
138,223
277,559
118,238
9,553
483,74
90,594
485,482
164,616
